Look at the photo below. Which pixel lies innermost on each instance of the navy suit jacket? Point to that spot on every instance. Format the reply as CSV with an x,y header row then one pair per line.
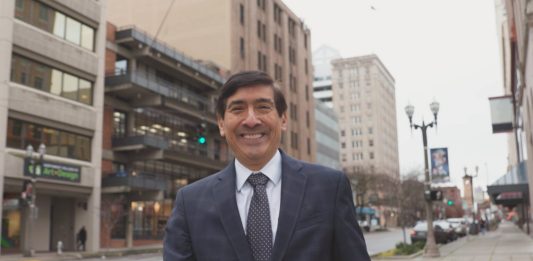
x,y
317,219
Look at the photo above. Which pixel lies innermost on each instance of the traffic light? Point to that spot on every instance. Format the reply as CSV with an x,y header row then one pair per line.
x,y
201,130
450,202
27,192
435,195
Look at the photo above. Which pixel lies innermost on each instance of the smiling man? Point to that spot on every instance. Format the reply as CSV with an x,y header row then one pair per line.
x,y
265,205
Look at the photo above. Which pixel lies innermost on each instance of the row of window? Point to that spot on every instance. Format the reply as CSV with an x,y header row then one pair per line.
x,y
357,132
51,80
358,144
358,156
20,134
55,22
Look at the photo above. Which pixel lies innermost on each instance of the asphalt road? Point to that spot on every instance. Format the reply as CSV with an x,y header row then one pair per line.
x,y
376,242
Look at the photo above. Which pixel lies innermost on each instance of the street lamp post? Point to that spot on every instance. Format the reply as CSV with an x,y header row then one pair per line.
x,y
431,249
31,211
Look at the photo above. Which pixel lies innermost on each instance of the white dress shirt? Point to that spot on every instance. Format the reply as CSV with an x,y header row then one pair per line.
x,y
245,191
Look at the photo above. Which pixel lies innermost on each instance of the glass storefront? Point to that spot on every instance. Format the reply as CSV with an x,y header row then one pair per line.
x,y
11,226
150,218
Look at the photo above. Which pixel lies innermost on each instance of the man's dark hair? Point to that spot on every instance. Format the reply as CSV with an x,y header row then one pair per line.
x,y
249,79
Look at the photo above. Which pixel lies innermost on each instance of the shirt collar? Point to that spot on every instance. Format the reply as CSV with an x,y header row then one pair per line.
x,y
272,170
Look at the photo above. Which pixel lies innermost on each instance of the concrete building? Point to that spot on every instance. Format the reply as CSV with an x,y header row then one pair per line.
x,y
364,101
160,133
322,89
515,30
51,93
327,136
239,35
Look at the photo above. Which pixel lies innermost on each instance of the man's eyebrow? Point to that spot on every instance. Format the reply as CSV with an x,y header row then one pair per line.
x,y
241,102
234,103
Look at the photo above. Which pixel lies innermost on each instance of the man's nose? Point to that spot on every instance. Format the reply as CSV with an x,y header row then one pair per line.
x,y
251,119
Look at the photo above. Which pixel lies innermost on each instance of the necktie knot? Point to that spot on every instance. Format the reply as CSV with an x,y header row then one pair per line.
x,y
257,179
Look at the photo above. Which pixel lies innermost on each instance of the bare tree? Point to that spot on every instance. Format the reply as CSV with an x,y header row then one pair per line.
x,y
112,211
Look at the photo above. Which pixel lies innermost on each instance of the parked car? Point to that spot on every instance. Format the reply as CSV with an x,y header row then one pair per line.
x,y
420,230
443,231
460,225
448,228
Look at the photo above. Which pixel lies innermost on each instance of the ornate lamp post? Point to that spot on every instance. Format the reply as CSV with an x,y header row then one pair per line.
x,y
31,196
431,249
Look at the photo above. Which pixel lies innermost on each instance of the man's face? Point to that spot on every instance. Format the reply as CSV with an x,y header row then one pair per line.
x,y
252,126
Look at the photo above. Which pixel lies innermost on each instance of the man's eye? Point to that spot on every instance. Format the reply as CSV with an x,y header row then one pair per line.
x,y
236,109
264,107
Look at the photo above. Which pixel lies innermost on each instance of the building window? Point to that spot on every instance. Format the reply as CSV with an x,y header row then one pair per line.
x,y
19,4
265,67
119,124
277,14
307,120
51,80
306,92
371,155
343,133
259,61
55,22
264,33
294,140
259,29
241,13
306,67
371,143
241,48
305,40
294,111
20,134
308,146
343,145
370,130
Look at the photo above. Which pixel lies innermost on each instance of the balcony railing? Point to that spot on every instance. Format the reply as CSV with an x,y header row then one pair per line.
x,y
135,182
163,48
140,140
165,89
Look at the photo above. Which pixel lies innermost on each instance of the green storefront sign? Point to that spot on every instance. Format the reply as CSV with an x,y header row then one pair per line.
x,y
52,170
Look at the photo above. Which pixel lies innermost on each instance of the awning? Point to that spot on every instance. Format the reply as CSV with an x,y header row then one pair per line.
x,y
512,188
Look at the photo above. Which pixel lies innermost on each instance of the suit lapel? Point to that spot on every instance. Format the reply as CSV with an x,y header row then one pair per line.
x,y
292,192
226,202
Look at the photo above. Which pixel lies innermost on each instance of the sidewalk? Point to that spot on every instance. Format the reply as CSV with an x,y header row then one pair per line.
x,y
51,256
506,243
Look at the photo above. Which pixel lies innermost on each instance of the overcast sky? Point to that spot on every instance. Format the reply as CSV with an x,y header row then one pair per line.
x,y
445,50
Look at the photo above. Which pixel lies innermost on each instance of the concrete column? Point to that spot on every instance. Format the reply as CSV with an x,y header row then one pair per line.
x,y
7,10
94,202
129,228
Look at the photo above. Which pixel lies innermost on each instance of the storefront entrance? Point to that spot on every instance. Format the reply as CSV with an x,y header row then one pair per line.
x,y
62,224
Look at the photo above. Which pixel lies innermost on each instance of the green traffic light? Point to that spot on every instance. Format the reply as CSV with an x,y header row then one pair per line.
x,y
201,140
450,202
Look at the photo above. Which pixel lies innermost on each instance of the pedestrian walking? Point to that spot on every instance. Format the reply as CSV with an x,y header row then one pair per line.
x,y
482,226
264,205
81,238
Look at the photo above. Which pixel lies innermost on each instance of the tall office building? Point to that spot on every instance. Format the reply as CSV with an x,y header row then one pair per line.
x,y
327,136
365,103
239,35
322,89
51,97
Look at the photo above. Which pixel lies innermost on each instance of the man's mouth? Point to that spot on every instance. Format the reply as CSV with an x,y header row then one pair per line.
x,y
252,135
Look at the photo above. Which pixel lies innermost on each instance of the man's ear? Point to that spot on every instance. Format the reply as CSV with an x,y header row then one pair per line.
x,y
284,121
220,122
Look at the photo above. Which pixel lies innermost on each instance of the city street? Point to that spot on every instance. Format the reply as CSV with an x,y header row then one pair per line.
x,y
377,242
